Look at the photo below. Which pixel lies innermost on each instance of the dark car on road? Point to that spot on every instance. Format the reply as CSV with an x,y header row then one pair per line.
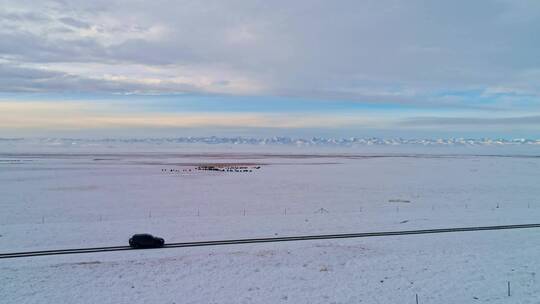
x,y
145,240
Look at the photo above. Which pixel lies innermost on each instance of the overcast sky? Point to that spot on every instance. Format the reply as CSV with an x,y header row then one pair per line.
x,y
401,68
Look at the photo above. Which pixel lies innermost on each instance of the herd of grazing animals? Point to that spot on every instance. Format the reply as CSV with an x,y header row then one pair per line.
x,y
214,168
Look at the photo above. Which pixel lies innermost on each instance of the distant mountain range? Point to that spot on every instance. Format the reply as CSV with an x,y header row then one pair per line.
x,y
315,141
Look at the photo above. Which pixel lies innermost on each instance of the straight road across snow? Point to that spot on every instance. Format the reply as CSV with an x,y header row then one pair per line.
x,y
267,240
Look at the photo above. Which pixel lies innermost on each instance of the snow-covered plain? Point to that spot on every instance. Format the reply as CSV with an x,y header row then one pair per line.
x,y
69,199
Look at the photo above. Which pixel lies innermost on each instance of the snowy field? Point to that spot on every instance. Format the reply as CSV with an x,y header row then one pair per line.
x,y
75,199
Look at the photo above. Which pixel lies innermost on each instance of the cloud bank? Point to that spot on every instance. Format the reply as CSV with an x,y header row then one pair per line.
x,y
388,51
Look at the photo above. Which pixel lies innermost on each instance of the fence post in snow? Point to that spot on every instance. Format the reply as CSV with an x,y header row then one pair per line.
x,y
508,288
285,212
244,212
416,298
198,212
43,219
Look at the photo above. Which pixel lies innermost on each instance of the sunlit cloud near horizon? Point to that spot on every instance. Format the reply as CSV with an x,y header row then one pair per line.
x,y
257,68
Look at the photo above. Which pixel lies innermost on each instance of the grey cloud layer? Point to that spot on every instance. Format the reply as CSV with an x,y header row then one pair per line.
x,y
462,121
21,79
397,51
